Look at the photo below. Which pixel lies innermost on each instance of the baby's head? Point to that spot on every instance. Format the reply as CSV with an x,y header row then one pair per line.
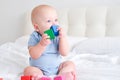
x,y
43,17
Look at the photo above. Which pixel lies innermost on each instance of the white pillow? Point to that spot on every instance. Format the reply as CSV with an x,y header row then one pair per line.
x,y
72,40
22,41
106,45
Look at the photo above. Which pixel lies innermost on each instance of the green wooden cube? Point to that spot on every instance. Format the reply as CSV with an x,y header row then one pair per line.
x,y
50,33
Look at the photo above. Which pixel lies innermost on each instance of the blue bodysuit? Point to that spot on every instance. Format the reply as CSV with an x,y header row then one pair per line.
x,y
50,59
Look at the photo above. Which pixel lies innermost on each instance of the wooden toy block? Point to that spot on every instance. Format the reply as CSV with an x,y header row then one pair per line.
x,y
45,78
50,33
54,28
26,77
59,78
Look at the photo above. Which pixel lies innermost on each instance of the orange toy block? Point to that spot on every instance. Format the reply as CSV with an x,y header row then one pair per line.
x,y
26,77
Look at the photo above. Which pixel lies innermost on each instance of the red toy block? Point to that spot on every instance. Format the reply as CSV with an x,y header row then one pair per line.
x,y
1,78
26,77
45,78
59,78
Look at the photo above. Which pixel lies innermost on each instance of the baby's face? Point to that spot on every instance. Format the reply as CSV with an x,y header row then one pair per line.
x,y
46,19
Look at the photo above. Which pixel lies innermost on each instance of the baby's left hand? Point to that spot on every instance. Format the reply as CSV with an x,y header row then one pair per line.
x,y
61,32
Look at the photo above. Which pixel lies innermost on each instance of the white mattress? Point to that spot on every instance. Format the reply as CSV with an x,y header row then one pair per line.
x,y
14,58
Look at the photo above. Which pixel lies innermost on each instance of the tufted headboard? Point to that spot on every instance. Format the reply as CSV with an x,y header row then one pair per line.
x,y
87,21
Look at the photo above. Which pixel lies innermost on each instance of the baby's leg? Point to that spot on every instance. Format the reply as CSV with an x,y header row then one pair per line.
x,y
67,69
32,71
36,73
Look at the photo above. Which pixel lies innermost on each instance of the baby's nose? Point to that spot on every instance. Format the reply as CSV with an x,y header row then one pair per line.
x,y
54,23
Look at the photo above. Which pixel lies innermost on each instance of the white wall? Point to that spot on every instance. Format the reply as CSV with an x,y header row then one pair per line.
x,y
13,13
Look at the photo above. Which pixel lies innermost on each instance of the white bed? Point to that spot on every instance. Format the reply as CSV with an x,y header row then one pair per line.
x,y
94,41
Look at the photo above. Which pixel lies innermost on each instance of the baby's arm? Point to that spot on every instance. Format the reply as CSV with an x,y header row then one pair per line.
x,y
36,51
63,43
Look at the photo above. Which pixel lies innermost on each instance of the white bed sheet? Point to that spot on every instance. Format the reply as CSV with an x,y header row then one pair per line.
x,y
14,58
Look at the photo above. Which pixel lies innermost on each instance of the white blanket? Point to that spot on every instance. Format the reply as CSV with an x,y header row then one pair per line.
x,y
14,58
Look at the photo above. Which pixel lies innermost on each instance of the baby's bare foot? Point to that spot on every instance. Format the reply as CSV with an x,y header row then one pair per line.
x,y
39,77
68,76
65,76
36,77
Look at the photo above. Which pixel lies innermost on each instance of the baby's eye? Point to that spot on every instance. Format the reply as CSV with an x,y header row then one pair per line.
x,y
56,20
48,20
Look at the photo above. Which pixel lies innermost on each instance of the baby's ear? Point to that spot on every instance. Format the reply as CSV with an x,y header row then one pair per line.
x,y
36,27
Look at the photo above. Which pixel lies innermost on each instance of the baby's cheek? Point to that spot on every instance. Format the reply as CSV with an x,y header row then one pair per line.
x,y
45,28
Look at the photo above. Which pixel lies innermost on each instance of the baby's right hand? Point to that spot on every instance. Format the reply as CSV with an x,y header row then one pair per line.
x,y
45,40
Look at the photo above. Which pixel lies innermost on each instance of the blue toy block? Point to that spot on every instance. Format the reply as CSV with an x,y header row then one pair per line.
x,y
52,32
54,28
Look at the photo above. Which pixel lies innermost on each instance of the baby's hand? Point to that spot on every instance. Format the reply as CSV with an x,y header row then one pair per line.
x,y
45,40
61,32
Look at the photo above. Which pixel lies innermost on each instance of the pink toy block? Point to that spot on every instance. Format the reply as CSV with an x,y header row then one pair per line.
x,y
59,78
45,78
1,78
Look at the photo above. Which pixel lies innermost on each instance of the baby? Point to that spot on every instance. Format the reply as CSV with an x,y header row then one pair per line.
x,y
45,53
